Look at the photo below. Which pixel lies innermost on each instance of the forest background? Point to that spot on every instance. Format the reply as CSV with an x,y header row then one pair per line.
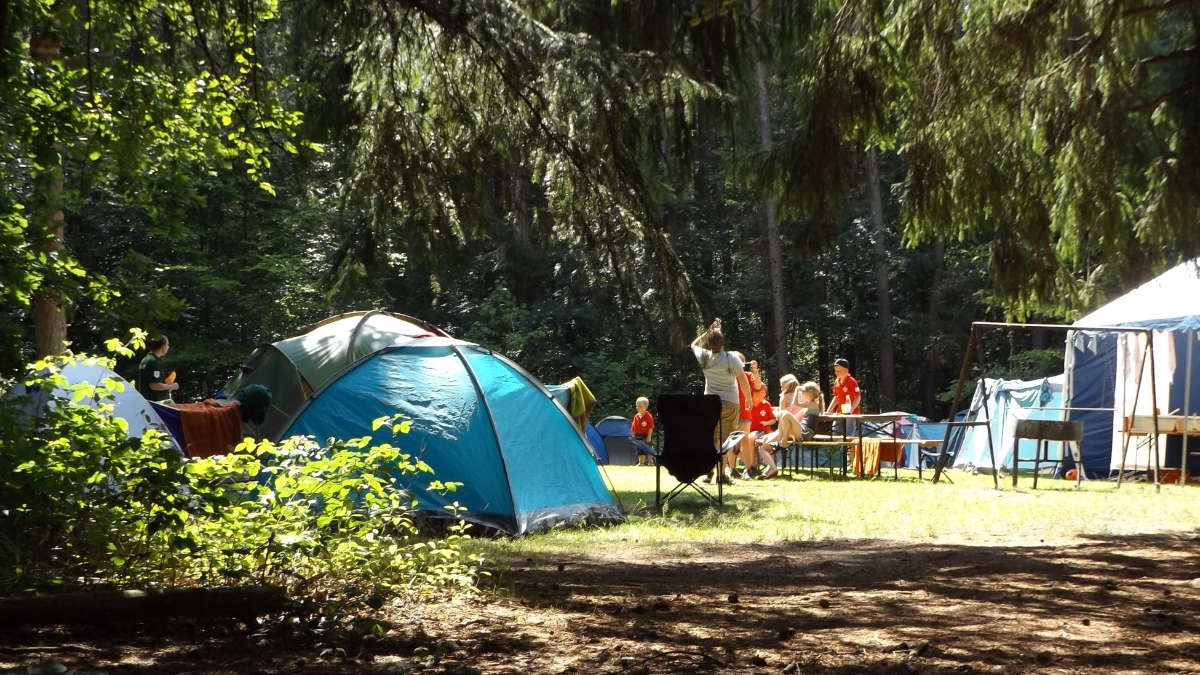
x,y
583,185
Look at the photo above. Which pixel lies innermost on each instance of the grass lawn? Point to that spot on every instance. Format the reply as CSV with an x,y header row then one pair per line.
x,y
811,508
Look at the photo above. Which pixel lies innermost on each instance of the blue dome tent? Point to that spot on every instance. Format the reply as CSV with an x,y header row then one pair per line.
x,y
477,417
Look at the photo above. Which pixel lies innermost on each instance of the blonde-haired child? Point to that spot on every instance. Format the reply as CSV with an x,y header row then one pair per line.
x,y
642,427
812,397
789,387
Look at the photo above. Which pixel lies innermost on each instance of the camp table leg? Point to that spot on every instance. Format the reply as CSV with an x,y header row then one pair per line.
x,y
1016,458
1042,446
896,453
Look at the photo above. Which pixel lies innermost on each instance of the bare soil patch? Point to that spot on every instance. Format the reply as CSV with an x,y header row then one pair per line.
x,y
1127,604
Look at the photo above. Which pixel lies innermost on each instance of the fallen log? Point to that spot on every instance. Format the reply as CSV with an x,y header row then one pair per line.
x,y
101,607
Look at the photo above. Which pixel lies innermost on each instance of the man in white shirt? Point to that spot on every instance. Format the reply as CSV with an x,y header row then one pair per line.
x,y
722,373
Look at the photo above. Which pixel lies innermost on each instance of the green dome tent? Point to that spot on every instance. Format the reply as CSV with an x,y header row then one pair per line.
x,y
477,417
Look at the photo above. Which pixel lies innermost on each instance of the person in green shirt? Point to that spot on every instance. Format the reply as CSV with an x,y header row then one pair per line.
x,y
152,372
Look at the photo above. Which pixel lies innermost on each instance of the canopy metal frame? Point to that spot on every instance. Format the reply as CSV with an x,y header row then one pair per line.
x,y
974,344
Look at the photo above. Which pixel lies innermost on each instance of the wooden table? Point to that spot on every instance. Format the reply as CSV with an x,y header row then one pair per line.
x,y
1171,425
1167,424
867,424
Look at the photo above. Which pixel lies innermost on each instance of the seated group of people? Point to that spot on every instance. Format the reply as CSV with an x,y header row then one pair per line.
x,y
763,428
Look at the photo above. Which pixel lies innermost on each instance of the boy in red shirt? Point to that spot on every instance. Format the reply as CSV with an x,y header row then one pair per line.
x,y
642,427
846,395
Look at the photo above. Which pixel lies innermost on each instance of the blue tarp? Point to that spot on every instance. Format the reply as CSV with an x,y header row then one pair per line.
x,y
1007,402
476,419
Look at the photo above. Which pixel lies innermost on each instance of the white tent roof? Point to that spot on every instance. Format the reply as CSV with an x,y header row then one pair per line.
x,y
127,404
1170,295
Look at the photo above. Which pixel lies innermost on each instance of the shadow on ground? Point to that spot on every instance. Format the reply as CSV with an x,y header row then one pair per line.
x,y
1107,604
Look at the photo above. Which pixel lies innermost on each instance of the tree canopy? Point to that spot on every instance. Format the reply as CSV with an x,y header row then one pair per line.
x,y
584,184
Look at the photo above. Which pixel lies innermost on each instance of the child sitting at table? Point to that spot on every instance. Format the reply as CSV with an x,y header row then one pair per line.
x,y
798,421
762,418
811,402
789,393
642,427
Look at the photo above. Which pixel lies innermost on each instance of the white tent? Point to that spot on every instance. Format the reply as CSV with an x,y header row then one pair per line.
x,y
1102,367
127,403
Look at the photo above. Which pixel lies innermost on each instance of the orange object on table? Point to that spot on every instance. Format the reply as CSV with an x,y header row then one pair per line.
x,y
865,460
170,379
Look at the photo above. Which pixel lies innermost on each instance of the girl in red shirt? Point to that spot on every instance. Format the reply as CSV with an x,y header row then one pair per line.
x,y
762,418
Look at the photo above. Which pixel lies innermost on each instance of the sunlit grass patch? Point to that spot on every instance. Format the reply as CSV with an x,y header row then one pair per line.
x,y
816,507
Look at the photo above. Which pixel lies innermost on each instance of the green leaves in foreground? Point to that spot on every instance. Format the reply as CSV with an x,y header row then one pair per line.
x,y
81,504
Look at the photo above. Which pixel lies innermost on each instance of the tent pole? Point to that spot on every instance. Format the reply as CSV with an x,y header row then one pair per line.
x,y
1069,400
1126,426
1154,411
1187,407
487,408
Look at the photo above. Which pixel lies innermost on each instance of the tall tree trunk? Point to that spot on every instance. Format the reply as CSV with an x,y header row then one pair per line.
x,y
887,361
935,346
777,338
50,319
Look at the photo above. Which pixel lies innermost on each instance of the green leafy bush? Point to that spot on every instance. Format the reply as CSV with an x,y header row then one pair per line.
x,y
74,488
82,505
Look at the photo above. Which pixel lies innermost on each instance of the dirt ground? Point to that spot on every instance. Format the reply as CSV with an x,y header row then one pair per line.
x,y
1104,605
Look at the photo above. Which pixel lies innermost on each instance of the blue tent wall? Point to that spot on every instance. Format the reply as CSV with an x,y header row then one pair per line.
x,y
1094,381
523,465
552,474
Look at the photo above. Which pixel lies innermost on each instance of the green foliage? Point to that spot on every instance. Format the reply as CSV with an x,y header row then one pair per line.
x,y
507,326
82,504
126,107
1065,131
1028,364
618,379
321,520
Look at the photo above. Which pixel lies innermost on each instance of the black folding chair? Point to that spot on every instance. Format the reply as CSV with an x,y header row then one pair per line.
x,y
687,422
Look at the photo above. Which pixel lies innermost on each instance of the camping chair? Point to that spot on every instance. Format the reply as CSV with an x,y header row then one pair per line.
x,y
687,423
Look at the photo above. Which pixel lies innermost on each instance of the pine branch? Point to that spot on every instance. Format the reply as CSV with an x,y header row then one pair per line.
x,y
1089,50
1167,58
1151,105
1148,10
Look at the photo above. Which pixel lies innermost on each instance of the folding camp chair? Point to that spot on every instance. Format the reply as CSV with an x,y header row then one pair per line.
x,y
687,422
